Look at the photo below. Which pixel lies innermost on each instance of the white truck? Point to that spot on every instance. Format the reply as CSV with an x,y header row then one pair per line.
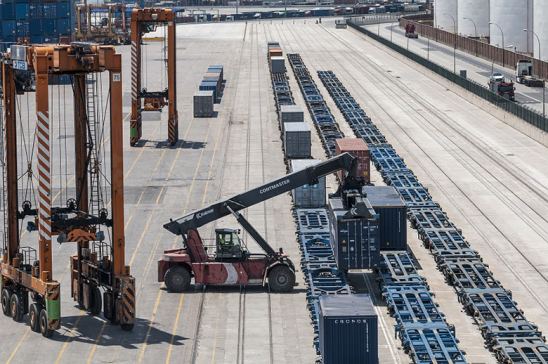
x,y
524,74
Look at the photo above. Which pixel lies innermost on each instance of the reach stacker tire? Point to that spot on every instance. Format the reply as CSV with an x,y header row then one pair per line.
x,y
34,316
96,301
6,296
44,329
281,279
177,279
16,308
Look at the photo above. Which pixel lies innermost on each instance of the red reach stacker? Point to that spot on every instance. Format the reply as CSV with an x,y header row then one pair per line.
x,y
229,262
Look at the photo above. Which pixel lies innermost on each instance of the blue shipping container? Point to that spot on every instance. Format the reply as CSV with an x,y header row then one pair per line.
x,y
209,86
348,331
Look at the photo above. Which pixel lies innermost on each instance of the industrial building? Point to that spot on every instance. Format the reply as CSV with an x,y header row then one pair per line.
x,y
279,190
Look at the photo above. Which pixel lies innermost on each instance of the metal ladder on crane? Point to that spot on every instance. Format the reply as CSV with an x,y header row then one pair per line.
x,y
94,165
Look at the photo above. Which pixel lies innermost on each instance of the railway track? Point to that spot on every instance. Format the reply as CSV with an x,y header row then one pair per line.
x,y
373,71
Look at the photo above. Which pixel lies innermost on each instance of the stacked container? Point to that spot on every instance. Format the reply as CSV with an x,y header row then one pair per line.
x,y
213,80
358,148
348,329
308,196
203,104
275,58
355,238
291,114
217,68
37,21
297,143
277,63
387,203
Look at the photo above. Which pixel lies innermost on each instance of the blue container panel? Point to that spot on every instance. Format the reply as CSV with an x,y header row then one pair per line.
x,y
63,10
35,28
8,11
22,28
21,11
48,27
8,28
50,10
63,26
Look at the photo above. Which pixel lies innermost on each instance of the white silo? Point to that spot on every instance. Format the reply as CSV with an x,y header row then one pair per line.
x,y
445,14
540,27
512,16
473,15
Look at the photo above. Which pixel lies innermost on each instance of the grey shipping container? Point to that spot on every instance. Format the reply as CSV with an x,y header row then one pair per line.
x,y
355,239
277,64
217,68
308,196
291,114
297,142
386,202
203,104
348,328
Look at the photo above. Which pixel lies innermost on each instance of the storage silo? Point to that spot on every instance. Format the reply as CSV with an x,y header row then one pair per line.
x,y
445,11
512,16
540,27
470,13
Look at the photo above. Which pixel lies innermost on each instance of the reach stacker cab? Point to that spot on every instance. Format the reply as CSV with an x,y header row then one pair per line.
x,y
229,262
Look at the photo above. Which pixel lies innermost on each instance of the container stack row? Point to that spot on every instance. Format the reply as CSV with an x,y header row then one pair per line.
x,y
209,92
334,309
319,111
506,331
36,21
422,328
296,135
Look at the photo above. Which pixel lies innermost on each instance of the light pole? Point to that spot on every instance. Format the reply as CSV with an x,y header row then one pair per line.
x,y
543,80
475,33
502,34
391,30
454,43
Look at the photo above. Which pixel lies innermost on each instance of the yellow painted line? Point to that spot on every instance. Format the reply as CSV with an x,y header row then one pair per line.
x,y
98,338
179,307
152,318
130,218
176,322
69,339
94,347
18,345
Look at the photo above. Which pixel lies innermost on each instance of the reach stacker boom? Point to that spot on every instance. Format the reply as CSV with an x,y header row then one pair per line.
x,y
231,263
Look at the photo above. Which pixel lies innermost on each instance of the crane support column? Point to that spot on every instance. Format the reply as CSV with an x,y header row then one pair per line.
x,y
173,121
44,166
11,161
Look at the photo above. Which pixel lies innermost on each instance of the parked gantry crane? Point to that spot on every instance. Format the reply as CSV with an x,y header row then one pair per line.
x,y
87,216
144,21
229,262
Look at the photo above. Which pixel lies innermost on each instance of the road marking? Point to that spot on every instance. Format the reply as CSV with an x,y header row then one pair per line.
x,y
18,345
170,349
176,322
152,317
187,131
